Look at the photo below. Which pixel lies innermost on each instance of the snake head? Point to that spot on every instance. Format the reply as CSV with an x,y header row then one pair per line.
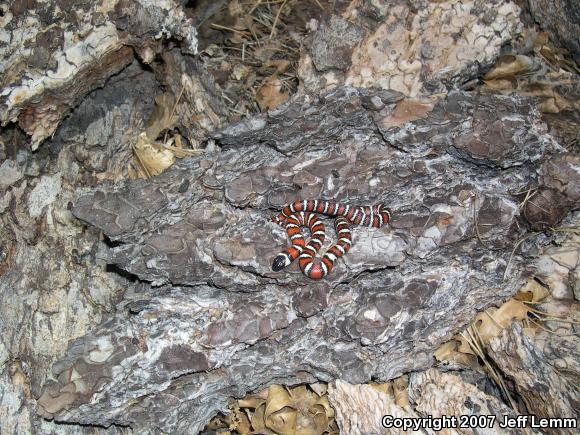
x,y
280,262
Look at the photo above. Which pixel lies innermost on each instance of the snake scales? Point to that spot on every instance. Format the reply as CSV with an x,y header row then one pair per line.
x,y
304,213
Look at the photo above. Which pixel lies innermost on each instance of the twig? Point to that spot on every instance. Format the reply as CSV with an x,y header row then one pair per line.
x,y
566,229
471,338
528,196
556,319
542,327
545,313
276,19
319,5
539,207
142,164
518,243
493,320
255,6
231,29
477,226
173,110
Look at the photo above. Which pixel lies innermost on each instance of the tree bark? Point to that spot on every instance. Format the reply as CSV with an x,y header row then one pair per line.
x,y
222,324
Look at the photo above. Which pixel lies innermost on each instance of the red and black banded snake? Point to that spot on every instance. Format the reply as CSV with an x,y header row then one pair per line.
x,y
302,213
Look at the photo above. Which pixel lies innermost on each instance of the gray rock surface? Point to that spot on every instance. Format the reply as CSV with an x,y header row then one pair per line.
x,y
216,322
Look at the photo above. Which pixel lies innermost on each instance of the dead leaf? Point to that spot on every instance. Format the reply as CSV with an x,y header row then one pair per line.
x,y
450,351
510,66
240,72
500,84
258,421
490,325
281,65
270,94
290,411
400,391
464,346
151,159
532,291
557,104
163,116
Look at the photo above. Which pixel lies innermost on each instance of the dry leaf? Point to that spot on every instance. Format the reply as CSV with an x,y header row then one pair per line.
x,y
298,411
242,423
557,104
547,75
511,66
446,351
240,72
500,84
257,420
281,65
270,94
464,346
151,159
532,291
489,325
250,402
162,117
400,391
450,351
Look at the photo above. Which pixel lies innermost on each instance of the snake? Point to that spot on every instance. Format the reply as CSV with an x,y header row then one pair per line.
x,y
305,214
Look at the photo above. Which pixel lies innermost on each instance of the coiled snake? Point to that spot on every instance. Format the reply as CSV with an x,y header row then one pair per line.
x,y
302,213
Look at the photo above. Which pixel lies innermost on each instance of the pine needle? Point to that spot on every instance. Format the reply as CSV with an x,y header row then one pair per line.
x,y
276,19
518,243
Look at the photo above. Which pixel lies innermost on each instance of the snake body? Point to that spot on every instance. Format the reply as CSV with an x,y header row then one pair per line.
x,y
303,213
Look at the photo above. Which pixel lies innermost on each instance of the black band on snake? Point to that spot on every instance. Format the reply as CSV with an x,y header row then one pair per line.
x,y
301,213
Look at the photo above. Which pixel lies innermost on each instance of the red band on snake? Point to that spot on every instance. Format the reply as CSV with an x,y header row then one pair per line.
x,y
298,214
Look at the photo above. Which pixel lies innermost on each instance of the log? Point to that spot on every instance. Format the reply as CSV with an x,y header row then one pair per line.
x,y
216,322
162,289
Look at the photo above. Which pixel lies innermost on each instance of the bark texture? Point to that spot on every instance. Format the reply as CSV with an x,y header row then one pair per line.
x,y
223,323
539,375
57,54
561,18
175,310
